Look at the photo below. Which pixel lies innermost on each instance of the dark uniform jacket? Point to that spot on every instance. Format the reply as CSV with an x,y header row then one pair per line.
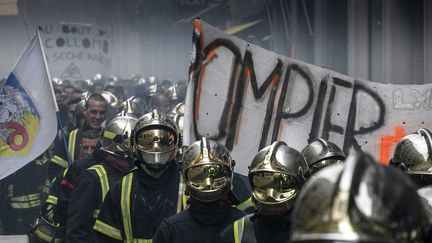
x,y
197,224
134,208
86,200
64,183
22,194
258,228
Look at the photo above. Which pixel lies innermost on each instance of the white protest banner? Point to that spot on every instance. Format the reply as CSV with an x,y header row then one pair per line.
x,y
76,51
246,97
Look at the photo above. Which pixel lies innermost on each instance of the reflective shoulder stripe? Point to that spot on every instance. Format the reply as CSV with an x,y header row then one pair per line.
x,y
52,199
238,230
107,229
245,205
71,144
59,161
125,205
102,174
184,200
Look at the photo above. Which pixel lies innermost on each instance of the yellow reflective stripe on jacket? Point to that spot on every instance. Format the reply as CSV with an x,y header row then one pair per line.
x,y
125,205
59,161
26,201
47,237
103,178
52,199
30,204
245,205
238,230
184,200
46,187
107,229
71,144
139,241
26,197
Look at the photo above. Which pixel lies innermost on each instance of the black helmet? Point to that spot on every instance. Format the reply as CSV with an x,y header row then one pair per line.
x,y
321,153
413,155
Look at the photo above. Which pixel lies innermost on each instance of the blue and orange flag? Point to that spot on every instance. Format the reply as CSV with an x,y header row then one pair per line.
x,y
28,123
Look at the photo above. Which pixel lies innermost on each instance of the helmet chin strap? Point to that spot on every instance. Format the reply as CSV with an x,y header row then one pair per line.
x,y
154,171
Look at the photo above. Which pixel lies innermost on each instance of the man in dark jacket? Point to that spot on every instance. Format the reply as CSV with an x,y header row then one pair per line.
x,y
94,183
208,173
95,113
276,174
136,205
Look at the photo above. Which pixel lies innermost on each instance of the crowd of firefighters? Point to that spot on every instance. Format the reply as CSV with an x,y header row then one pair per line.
x,y
118,172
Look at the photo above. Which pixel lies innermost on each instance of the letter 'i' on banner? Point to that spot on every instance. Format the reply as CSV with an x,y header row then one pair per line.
x,y
27,110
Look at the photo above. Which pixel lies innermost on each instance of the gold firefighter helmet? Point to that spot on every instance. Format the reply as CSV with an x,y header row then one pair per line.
x,y
321,153
207,170
413,154
116,136
155,140
358,201
276,175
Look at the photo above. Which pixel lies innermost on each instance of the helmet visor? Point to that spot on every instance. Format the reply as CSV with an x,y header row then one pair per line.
x,y
273,186
208,177
156,140
323,163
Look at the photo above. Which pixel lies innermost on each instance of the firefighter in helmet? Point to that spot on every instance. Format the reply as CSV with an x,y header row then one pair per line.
x,y
134,207
276,175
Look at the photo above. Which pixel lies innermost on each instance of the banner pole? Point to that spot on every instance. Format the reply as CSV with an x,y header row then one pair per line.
x,y
53,95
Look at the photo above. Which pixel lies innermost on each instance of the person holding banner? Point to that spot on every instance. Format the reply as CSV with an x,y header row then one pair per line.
x,y
95,112
134,207
94,183
276,174
208,174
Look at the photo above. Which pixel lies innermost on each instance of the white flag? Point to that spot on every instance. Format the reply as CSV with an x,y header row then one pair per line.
x,y
28,123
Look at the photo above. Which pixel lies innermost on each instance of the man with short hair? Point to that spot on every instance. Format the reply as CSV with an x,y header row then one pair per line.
x,y
160,102
95,112
88,143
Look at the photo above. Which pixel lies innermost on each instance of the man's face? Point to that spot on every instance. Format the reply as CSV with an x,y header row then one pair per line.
x,y
87,147
162,104
71,111
95,113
